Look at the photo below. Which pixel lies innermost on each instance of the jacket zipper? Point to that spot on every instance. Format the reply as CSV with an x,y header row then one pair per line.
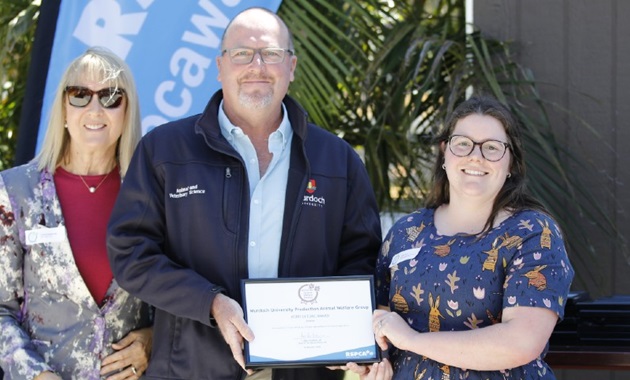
x,y
226,188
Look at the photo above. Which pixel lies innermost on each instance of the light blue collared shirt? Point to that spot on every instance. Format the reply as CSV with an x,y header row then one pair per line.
x,y
267,194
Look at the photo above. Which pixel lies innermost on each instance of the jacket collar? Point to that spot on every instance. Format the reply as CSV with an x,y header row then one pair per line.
x,y
208,123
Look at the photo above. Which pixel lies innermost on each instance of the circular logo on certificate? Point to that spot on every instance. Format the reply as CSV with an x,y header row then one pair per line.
x,y
308,293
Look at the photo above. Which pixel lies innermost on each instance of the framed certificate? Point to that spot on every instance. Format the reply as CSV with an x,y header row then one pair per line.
x,y
309,321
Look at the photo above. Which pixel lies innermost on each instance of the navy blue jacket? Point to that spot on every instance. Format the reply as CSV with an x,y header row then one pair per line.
x,y
179,231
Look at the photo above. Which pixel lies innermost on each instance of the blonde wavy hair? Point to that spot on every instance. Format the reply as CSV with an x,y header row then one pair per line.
x,y
99,65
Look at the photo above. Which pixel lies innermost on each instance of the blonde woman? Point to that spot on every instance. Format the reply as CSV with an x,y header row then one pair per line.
x,y
62,315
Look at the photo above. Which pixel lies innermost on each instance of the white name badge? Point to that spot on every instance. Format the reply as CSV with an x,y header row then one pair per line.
x,y
404,256
46,235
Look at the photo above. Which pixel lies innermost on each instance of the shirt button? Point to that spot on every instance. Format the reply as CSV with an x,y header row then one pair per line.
x,y
256,201
252,243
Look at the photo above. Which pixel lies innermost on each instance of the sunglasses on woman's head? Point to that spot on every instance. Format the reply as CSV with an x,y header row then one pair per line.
x,y
110,97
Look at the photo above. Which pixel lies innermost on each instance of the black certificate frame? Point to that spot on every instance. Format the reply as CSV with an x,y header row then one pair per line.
x,y
306,295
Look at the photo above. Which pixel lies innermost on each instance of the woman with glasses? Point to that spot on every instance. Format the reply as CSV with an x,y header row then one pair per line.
x,y
472,285
62,315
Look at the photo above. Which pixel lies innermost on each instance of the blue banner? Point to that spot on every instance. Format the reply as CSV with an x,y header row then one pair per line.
x,y
170,45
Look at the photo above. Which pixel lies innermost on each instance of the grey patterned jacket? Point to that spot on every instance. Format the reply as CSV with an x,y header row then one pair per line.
x,y
48,318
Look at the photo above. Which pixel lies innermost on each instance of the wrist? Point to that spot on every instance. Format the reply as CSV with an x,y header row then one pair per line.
x,y
214,305
409,341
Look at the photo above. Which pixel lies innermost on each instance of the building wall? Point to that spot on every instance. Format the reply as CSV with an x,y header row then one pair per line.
x,y
579,53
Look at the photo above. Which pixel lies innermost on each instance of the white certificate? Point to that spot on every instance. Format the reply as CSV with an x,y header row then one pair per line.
x,y
302,322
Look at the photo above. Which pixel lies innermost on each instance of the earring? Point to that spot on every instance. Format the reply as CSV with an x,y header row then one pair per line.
x,y
65,125
444,166
509,175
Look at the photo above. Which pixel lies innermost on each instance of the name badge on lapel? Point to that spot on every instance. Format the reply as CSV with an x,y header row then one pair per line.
x,y
405,255
45,235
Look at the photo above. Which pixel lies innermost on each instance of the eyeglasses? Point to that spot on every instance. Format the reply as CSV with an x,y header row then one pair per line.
x,y
491,150
245,56
110,97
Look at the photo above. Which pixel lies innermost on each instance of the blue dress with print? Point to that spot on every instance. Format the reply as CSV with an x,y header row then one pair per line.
x,y
461,282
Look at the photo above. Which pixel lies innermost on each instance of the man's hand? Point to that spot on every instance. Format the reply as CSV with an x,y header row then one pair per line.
x,y
229,316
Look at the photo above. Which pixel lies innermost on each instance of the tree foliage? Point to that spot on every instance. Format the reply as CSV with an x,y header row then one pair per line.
x,y
18,20
382,75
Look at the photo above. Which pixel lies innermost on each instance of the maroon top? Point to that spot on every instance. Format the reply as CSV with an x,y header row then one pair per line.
x,y
86,215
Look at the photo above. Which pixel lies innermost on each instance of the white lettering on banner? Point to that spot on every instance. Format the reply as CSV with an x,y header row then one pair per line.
x,y
145,3
103,24
167,108
194,66
193,74
207,38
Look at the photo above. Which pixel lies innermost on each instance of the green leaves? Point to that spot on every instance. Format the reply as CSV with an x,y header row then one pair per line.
x,y
18,20
394,73
383,75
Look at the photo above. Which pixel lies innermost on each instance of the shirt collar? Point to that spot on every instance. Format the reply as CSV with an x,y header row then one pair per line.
x,y
230,131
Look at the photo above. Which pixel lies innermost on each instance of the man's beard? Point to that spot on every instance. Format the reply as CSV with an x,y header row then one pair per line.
x,y
256,100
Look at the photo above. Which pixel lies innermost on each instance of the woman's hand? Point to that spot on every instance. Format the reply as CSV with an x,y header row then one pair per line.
x,y
390,327
376,371
47,375
131,358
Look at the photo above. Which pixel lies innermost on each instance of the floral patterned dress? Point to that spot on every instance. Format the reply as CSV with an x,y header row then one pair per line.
x,y
49,320
461,282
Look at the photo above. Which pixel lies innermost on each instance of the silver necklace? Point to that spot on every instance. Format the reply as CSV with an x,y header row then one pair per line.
x,y
93,189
